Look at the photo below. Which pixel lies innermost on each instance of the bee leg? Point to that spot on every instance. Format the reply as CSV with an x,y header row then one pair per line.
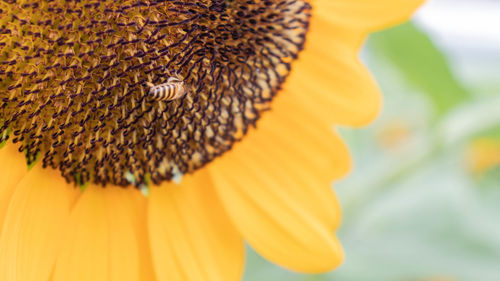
x,y
175,78
167,71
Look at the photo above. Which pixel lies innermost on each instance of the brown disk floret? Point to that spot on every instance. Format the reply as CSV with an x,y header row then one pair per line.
x,y
73,78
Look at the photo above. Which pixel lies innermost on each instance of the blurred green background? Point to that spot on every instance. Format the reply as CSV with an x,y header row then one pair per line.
x,y
423,200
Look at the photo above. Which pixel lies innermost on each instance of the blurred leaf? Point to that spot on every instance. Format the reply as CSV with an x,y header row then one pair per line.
x,y
492,133
422,64
431,224
475,119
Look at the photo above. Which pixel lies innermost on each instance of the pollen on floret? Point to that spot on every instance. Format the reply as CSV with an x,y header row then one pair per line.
x,y
73,78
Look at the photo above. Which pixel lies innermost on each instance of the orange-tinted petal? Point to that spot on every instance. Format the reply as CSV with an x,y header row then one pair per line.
x,y
35,223
146,271
102,240
274,216
123,221
366,15
275,185
12,169
191,236
295,151
328,78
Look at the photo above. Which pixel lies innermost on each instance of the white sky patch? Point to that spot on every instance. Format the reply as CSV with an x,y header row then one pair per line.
x,y
471,24
468,31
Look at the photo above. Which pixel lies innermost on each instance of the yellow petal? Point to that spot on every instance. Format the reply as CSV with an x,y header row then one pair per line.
x,y
272,216
191,236
278,195
293,150
35,222
329,79
102,239
146,271
12,169
366,14
123,215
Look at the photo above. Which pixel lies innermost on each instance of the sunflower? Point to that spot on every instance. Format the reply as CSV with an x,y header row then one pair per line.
x,y
111,171
482,155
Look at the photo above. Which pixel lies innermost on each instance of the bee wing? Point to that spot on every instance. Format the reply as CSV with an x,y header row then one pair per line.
x,y
173,79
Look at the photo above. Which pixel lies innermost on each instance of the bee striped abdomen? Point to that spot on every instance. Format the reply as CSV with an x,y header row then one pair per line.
x,y
167,91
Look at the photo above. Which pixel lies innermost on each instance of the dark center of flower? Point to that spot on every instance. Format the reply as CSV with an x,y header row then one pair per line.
x,y
78,81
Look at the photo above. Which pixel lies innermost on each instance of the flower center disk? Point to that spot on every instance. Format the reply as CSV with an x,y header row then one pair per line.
x,y
75,80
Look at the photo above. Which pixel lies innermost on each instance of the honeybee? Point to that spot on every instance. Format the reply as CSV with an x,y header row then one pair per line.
x,y
173,89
